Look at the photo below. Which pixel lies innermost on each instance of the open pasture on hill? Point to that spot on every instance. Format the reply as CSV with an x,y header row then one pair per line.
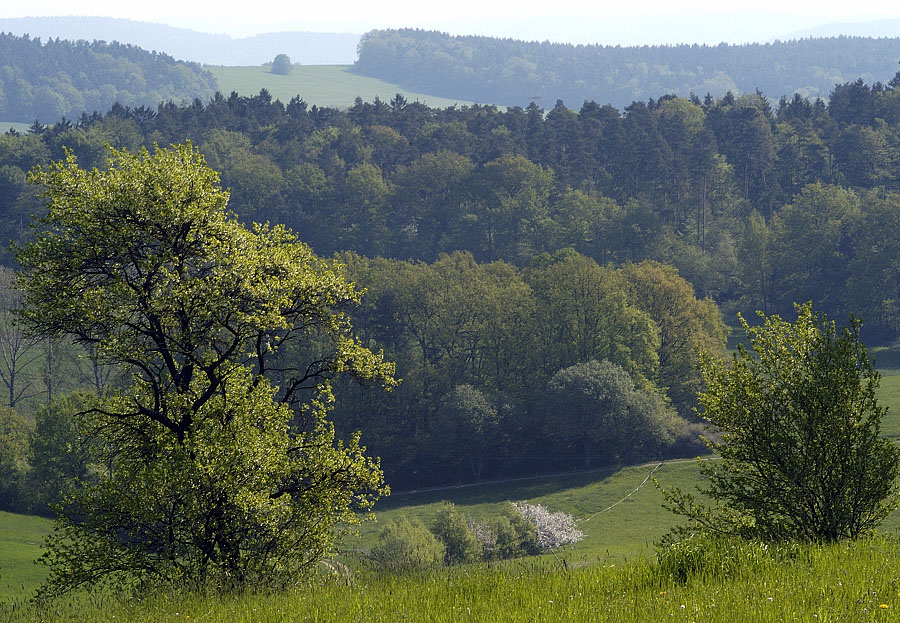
x,y
320,85
5,126
618,509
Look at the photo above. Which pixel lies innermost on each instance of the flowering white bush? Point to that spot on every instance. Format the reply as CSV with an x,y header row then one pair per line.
x,y
554,530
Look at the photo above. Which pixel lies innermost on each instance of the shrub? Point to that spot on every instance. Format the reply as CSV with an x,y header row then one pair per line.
x,y
460,543
405,546
801,452
508,535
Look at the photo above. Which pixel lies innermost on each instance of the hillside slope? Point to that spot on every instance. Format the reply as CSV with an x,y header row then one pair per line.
x,y
318,85
47,81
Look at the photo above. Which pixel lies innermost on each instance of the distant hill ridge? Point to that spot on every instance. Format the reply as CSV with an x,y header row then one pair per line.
x,y
308,48
513,72
889,28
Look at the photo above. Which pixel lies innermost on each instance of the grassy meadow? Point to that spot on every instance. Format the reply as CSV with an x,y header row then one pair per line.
x,y
611,575
321,85
20,541
725,582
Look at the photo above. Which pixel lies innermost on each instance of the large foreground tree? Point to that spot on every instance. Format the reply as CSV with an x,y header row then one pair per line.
x,y
221,466
801,452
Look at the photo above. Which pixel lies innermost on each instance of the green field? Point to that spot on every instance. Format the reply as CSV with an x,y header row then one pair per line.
x,y
625,530
13,125
612,575
321,85
20,539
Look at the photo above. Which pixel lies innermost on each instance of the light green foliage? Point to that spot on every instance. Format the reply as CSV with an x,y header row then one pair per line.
x,y
586,221
522,540
507,534
215,474
406,546
801,449
511,216
583,313
810,256
687,325
452,530
756,253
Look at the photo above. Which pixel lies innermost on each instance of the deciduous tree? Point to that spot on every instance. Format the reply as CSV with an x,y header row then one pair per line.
x,y
282,65
217,474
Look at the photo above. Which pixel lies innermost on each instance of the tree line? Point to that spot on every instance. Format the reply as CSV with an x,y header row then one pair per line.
x,y
57,78
757,204
488,353
513,72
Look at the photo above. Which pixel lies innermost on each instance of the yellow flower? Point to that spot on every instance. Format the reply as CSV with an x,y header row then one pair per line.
x,y
883,606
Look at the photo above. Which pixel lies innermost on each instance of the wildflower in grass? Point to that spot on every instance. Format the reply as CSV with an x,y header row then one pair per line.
x,y
883,606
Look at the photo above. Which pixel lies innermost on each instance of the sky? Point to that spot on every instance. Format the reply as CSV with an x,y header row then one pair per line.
x,y
575,21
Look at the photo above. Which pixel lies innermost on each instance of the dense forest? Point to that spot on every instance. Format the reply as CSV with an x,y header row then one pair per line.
x,y
517,259
54,79
512,72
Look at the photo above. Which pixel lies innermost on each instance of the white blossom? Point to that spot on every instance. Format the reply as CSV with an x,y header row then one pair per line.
x,y
554,530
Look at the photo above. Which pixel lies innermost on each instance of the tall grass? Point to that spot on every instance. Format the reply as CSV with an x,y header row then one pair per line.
x,y
721,581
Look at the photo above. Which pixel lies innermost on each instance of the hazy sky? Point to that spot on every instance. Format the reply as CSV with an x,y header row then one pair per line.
x,y
578,21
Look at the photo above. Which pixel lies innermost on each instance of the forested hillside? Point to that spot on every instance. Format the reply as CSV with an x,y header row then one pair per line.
x,y
54,79
516,260
510,72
